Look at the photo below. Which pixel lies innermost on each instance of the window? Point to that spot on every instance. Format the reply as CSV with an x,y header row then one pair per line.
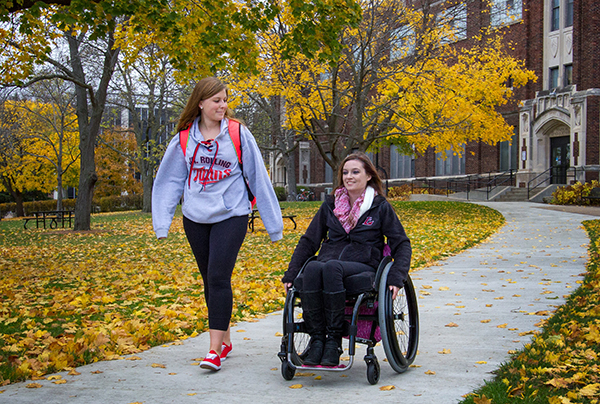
x,y
568,13
555,16
402,42
506,12
452,165
509,154
568,75
401,165
455,18
328,171
553,78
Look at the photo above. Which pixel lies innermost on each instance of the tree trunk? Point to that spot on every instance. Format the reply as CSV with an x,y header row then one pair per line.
x,y
147,182
89,124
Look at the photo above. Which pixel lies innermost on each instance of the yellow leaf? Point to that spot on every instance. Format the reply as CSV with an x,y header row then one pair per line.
x,y
502,325
386,388
192,394
481,362
133,358
486,321
451,325
482,400
318,378
296,386
278,334
73,372
55,377
430,372
61,381
158,365
33,385
444,351
444,288
240,331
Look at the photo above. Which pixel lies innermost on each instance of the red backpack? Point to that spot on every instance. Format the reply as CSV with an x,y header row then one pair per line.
x,y
234,135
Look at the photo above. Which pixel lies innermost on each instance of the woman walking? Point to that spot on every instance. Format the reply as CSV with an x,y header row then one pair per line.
x,y
215,164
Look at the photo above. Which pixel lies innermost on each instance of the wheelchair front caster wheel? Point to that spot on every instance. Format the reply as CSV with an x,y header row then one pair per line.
x,y
287,371
373,372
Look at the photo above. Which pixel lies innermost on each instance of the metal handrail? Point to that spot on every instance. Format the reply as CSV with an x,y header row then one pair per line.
x,y
489,188
529,188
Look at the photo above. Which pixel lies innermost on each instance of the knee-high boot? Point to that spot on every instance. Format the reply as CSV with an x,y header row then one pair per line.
x,y
334,303
314,321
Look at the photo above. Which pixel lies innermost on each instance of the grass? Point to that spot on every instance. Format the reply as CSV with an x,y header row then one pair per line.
x,y
71,298
561,365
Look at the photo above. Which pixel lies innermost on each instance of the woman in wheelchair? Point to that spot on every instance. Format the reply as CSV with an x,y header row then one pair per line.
x,y
349,231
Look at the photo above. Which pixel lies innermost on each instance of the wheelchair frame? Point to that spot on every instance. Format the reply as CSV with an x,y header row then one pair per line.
x,y
396,322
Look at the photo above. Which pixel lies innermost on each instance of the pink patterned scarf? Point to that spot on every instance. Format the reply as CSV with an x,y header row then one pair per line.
x,y
346,214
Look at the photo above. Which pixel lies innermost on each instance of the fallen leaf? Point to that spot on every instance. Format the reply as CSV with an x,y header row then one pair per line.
x,y
33,385
61,381
278,334
481,362
318,378
487,320
73,372
304,374
430,372
445,351
240,331
482,400
502,325
172,374
386,388
296,386
96,372
192,394
158,365
451,325
54,377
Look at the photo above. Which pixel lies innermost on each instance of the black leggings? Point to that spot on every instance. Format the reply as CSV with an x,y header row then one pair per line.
x,y
329,276
215,247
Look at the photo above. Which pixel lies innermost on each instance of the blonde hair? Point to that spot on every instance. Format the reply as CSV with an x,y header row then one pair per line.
x,y
204,89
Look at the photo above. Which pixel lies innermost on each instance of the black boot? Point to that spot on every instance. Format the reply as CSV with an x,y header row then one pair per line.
x,y
314,322
335,304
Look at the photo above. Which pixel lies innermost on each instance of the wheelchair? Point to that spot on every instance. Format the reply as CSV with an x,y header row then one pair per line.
x,y
371,316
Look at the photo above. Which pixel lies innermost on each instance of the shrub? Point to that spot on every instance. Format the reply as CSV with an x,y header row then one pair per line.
x,y
117,203
280,192
572,194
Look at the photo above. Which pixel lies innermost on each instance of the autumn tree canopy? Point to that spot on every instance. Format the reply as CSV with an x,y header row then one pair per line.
x,y
398,80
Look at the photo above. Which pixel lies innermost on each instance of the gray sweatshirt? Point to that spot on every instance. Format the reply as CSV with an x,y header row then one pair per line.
x,y
214,190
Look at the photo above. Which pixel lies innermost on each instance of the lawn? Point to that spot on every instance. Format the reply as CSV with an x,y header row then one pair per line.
x,y
561,365
70,298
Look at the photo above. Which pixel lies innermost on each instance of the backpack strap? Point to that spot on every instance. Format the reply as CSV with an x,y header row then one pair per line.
x,y
184,135
234,135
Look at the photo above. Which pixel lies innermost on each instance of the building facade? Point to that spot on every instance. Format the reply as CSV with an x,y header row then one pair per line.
x,y
556,118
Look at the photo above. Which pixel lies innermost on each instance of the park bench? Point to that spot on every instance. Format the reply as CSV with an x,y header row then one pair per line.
x,y
594,194
55,218
254,215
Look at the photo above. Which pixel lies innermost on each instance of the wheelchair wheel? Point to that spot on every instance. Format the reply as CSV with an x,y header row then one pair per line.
x,y
373,372
287,371
399,323
299,338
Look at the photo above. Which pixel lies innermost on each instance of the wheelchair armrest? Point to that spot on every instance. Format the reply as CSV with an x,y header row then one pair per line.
x,y
314,257
386,260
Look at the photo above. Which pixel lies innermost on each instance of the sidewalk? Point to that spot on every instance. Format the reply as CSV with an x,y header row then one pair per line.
x,y
474,308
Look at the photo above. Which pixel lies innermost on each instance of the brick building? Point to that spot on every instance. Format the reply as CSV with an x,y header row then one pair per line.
x,y
555,119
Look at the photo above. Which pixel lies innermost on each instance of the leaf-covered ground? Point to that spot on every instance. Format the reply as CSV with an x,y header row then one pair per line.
x,y
562,363
70,298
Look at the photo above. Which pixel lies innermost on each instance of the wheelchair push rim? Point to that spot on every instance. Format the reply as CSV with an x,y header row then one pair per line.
x,y
399,321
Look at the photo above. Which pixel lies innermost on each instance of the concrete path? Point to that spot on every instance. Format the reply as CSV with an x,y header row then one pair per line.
x,y
474,308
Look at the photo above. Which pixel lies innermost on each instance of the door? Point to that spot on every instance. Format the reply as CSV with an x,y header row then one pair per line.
x,y
560,157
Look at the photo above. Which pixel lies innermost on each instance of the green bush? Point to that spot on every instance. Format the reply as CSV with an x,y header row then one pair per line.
x,y
280,192
573,194
106,204
119,203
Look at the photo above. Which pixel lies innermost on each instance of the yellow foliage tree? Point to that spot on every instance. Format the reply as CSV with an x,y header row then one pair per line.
x,y
115,165
399,80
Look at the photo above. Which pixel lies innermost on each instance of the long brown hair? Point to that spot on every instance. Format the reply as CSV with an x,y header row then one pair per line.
x,y
374,182
204,89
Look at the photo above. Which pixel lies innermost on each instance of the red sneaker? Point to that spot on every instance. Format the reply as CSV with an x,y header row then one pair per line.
x,y
225,349
211,361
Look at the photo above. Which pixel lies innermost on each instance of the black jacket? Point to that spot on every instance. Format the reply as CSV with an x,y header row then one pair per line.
x,y
364,243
